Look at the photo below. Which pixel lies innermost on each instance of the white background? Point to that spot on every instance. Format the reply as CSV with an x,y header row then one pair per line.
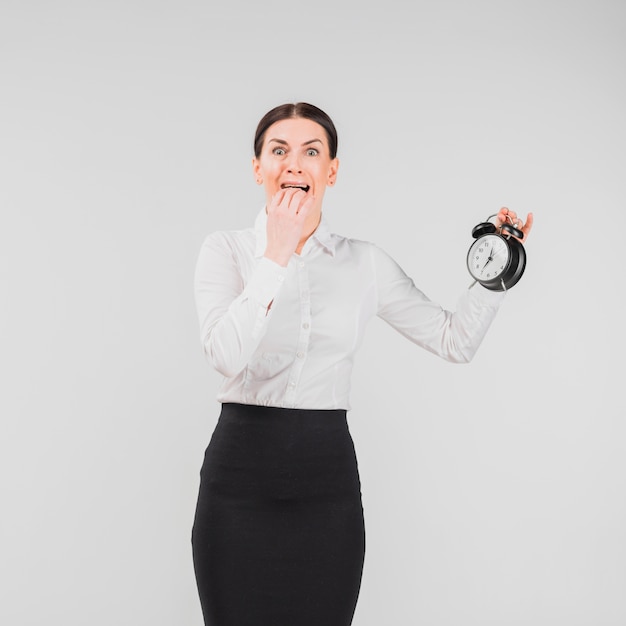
x,y
494,492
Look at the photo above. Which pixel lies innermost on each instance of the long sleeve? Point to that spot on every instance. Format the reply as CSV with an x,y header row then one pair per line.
x,y
233,303
454,336
288,337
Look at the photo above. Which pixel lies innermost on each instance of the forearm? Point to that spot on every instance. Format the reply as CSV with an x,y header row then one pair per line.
x,y
475,311
233,316
453,336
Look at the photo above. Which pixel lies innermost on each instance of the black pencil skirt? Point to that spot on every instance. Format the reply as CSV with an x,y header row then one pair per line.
x,y
278,537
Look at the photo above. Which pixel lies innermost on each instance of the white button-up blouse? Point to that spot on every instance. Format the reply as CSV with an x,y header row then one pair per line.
x,y
286,337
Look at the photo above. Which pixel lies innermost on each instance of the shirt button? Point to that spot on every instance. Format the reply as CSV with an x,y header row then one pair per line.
x,y
292,385
305,325
300,355
301,264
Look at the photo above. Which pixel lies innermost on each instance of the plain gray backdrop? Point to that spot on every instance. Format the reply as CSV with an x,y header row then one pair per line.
x,y
493,492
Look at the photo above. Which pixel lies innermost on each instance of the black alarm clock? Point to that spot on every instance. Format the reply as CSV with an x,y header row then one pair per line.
x,y
496,259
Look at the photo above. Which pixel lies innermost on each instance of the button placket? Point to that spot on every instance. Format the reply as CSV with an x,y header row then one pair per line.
x,y
304,335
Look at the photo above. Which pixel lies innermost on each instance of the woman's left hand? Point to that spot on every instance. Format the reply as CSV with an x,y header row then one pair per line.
x,y
506,216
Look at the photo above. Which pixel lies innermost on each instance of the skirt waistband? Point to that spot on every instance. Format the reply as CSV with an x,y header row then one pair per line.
x,y
248,434
234,409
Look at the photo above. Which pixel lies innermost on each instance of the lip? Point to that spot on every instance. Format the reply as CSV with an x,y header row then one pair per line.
x,y
295,184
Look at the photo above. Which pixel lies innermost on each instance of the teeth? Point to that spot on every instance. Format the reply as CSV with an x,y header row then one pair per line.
x,y
303,187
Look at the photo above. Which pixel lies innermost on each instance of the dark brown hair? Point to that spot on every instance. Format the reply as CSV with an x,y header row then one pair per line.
x,y
293,110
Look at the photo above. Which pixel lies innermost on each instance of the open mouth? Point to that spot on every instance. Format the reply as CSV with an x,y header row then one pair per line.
x,y
304,188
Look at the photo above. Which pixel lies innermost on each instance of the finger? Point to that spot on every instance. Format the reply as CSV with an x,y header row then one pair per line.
x,y
501,216
514,220
295,198
528,225
284,198
506,216
277,199
511,217
306,204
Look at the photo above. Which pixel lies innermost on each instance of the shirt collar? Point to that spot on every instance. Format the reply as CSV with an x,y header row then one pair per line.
x,y
321,236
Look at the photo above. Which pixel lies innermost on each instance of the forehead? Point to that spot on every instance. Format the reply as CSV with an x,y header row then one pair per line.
x,y
296,131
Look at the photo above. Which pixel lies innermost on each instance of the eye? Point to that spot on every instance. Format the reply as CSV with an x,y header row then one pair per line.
x,y
312,152
279,151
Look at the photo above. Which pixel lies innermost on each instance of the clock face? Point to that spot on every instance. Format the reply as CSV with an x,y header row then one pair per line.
x,y
488,258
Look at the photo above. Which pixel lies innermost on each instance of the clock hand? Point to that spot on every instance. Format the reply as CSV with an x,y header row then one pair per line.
x,y
489,259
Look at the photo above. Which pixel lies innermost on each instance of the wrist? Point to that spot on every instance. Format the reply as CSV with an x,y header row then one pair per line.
x,y
280,258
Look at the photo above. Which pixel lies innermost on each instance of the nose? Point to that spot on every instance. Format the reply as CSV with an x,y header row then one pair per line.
x,y
293,166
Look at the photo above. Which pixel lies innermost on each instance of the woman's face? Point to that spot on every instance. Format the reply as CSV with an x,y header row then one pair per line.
x,y
295,153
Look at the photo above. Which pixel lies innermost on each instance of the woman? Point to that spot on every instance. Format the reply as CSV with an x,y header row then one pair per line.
x,y
278,537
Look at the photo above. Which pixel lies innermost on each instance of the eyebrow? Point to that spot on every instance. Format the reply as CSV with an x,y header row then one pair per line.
x,y
284,143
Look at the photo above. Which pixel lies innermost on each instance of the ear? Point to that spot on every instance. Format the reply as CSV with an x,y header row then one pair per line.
x,y
256,169
332,171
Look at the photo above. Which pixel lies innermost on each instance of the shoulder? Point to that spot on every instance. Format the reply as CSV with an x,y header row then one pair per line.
x,y
225,237
230,240
366,256
350,244
361,248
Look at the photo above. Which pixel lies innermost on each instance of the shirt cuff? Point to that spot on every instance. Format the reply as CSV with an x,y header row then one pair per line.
x,y
266,281
486,297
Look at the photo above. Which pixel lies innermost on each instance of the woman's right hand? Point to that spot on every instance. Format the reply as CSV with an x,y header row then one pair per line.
x,y
287,215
